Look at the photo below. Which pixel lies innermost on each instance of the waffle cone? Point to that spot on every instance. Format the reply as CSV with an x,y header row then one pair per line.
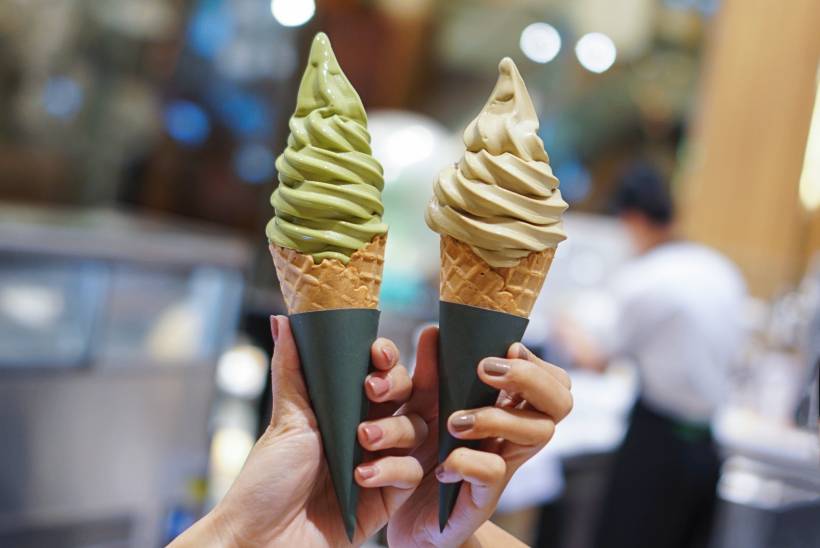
x,y
467,279
331,284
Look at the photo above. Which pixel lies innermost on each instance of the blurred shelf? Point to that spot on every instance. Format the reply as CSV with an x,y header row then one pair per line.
x,y
118,235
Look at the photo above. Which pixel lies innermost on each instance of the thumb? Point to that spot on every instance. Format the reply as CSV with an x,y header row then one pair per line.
x,y
291,404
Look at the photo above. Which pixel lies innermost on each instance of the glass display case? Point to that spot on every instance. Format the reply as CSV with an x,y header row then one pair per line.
x,y
110,329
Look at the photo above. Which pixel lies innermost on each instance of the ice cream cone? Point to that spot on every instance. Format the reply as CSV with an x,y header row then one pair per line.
x,y
327,242
498,212
467,279
334,319
328,285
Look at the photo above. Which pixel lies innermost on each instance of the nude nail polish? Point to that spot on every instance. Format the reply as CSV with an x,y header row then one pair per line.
x,y
495,368
372,432
379,385
464,422
274,328
367,472
387,352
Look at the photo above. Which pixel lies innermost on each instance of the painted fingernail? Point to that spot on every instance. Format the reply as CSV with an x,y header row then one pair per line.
x,y
463,422
373,432
274,328
367,472
387,352
495,368
378,385
439,471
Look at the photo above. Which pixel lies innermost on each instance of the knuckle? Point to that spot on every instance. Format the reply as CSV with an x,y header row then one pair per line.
x,y
521,374
570,401
496,467
484,419
518,372
416,472
567,403
459,457
546,431
420,428
404,431
564,376
403,383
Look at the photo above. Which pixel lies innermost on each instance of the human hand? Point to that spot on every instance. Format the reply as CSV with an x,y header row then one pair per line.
x,y
535,395
284,495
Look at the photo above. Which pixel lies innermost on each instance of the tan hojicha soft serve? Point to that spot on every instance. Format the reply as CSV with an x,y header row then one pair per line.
x,y
502,198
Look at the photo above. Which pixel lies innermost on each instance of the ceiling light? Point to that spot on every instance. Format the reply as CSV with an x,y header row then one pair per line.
x,y
596,52
540,42
292,13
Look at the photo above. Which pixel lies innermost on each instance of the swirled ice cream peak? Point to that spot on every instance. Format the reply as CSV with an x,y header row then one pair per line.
x,y
502,198
328,203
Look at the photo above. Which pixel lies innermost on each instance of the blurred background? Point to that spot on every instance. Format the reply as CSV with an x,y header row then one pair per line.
x,y
137,149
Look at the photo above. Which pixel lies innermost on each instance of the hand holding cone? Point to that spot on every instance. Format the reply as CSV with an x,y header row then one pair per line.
x,y
327,243
499,215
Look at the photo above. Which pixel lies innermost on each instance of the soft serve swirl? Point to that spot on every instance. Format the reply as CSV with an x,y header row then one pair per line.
x,y
501,198
328,203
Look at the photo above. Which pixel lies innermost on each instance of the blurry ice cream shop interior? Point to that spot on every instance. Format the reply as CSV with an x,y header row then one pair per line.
x,y
138,146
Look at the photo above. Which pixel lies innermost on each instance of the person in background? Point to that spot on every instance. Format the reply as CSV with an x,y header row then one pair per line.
x,y
678,306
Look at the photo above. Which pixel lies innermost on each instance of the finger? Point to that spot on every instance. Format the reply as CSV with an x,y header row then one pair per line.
x,y
524,427
424,400
289,394
541,389
485,472
400,432
394,385
384,354
399,472
518,350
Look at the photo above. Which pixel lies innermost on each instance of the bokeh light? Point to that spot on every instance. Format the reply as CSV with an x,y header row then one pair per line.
x,y
254,163
245,114
596,52
576,182
211,27
62,97
540,42
186,122
242,371
293,13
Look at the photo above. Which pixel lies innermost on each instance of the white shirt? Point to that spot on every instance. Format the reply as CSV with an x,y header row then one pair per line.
x,y
679,312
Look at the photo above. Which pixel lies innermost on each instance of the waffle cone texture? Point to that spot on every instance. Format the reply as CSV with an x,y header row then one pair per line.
x,y
468,279
308,287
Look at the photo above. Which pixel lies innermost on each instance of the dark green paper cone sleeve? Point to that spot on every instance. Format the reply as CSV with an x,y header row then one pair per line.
x,y
334,349
466,336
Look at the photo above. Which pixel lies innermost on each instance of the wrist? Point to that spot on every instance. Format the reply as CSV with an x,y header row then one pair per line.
x,y
211,531
220,530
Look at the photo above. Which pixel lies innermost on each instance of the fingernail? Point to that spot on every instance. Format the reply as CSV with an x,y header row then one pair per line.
x,y
439,471
463,422
379,385
495,368
521,351
274,328
387,352
372,432
367,472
